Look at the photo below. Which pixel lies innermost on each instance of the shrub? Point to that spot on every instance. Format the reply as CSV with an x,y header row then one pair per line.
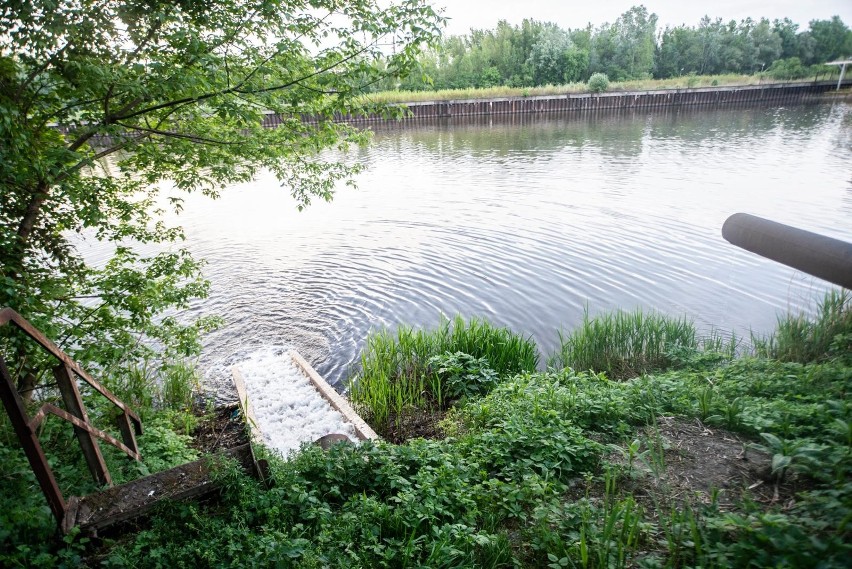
x,y
790,68
462,375
598,83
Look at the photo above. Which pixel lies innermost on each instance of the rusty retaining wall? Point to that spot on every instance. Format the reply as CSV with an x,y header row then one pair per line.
x,y
772,94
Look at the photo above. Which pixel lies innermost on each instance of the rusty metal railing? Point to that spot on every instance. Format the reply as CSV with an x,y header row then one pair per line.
x,y
66,372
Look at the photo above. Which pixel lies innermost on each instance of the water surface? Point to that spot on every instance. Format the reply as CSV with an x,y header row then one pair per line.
x,y
526,220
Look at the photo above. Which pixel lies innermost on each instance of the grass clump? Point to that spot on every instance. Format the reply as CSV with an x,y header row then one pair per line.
x,y
802,338
625,344
502,91
427,369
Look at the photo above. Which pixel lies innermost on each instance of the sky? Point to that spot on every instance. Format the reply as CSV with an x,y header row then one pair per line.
x,y
466,14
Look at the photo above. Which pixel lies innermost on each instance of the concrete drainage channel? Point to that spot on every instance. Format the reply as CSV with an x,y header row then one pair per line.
x,y
287,403
294,405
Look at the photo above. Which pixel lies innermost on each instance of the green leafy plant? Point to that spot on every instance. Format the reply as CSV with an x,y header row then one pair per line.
x,y
598,83
462,375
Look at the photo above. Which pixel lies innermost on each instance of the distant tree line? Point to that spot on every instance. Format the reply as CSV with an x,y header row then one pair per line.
x,y
539,53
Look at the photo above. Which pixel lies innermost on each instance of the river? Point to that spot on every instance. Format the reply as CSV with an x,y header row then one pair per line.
x,y
526,220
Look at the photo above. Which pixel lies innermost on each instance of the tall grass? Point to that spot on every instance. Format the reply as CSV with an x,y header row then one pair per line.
x,y
624,344
395,374
803,338
689,81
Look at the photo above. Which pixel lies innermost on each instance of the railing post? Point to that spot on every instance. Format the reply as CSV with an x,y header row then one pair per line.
x,y
35,455
127,432
74,405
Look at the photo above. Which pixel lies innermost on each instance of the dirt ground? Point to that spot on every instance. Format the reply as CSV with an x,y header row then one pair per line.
x,y
697,459
223,429
413,424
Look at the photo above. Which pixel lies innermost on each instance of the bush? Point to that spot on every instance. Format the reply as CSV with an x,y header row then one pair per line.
x,y
598,83
462,375
790,68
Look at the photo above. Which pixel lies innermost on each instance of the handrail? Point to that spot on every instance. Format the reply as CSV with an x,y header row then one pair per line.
x,y
8,315
75,413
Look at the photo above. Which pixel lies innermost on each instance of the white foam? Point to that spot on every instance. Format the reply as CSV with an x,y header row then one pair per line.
x,y
288,408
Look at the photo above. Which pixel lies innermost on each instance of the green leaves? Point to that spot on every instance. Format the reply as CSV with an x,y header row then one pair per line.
x,y
463,375
103,105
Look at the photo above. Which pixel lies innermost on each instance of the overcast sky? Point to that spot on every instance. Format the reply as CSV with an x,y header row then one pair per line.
x,y
466,14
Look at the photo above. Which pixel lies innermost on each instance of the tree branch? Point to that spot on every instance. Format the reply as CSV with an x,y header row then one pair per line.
x,y
172,134
237,88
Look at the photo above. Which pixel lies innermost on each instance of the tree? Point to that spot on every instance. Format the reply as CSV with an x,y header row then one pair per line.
x,y
554,58
173,93
832,40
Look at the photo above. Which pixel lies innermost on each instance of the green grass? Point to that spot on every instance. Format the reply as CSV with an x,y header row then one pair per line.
x,y
387,97
396,373
558,469
802,338
625,344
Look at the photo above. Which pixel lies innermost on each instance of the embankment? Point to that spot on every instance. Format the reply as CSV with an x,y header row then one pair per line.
x,y
771,93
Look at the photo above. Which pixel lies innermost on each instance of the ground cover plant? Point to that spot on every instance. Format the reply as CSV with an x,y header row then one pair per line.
x,y
719,461
625,344
410,374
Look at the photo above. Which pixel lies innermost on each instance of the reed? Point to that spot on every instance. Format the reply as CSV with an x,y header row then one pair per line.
x,y
825,334
396,375
624,344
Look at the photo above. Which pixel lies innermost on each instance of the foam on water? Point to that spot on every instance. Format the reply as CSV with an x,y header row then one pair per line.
x,y
288,408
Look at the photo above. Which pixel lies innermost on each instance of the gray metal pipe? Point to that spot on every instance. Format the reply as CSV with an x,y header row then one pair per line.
x,y
824,257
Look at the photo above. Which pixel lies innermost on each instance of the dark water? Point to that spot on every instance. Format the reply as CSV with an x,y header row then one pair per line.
x,y
526,220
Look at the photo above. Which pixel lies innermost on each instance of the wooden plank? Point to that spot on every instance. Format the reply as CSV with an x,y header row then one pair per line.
x,y
63,414
362,429
136,498
74,404
127,432
245,406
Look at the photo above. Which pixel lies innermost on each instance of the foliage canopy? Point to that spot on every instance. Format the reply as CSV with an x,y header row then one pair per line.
x,y
174,95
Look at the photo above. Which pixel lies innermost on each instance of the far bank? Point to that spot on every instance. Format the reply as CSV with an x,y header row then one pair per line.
x,y
714,96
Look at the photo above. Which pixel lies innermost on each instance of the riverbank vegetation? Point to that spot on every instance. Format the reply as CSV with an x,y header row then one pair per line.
x,y
498,92
712,459
536,54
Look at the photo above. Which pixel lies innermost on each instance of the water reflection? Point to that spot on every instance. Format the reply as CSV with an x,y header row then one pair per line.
x,y
525,220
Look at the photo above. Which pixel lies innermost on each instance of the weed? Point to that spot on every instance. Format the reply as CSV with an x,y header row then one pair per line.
x,y
624,344
804,338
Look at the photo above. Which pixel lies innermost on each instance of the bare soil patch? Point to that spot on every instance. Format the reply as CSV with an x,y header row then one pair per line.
x,y
415,423
224,428
698,460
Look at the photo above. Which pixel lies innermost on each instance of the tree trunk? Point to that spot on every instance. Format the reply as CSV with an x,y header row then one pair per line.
x,y
30,218
26,387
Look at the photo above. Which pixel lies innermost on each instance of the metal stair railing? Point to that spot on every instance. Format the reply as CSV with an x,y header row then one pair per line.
x,y
66,372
